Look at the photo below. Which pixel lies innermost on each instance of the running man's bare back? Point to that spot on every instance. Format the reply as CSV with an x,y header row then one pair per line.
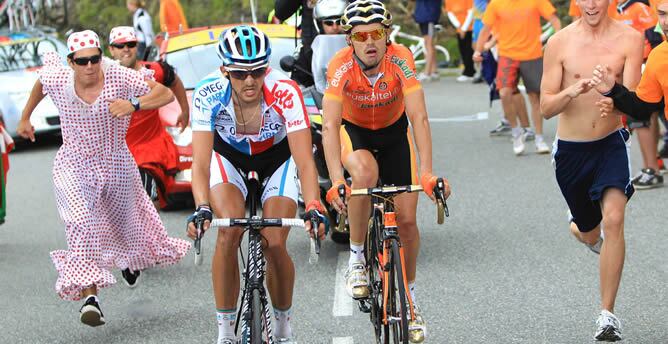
x,y
571,56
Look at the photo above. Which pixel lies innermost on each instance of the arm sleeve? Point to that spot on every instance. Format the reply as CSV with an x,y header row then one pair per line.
x,y
294,113
405,70
629,103
50,75
168,74
546,9
200,111
337,77
489,17
286,8
135,81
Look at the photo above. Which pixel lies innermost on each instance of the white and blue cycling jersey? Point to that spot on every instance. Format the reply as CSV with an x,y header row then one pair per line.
x,y
283,111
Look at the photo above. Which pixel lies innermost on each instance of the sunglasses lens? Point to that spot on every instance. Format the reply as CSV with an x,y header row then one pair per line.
x,y
362,36
131,44
332,22
243,74
257,73
83,61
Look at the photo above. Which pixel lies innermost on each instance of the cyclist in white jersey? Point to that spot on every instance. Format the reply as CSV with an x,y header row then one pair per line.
x,y
248,117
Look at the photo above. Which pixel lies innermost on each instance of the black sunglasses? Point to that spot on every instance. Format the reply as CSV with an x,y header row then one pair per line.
x,y
123,45
83,61
332,22
243,74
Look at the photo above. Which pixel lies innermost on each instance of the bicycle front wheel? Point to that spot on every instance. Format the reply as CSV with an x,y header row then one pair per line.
x,y
397,302
257,317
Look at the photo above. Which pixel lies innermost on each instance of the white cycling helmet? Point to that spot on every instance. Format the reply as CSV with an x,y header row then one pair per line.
x,y
365,12
244,46
329,9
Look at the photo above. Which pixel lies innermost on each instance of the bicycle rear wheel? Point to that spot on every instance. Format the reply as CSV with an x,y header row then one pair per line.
x,y
397,303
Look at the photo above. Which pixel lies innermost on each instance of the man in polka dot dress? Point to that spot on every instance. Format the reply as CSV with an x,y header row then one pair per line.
x,y
110,221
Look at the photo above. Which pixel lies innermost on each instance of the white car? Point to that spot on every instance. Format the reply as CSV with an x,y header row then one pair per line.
x,y
19,59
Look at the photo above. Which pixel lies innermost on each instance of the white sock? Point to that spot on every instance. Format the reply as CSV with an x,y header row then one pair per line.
x,y
539,138
282,328
356,254
226,320
517,131
411,289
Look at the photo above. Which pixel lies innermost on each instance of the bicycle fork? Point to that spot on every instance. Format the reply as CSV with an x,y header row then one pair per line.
x,y
390,235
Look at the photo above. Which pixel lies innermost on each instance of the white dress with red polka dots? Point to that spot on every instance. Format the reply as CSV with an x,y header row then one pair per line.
x,y
109,219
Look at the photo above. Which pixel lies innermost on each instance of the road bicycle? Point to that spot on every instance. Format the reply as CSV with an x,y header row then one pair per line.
x,y
254,326
416,46
389,305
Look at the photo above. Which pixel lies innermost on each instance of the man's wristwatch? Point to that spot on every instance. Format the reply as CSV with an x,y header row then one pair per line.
x,y
135,102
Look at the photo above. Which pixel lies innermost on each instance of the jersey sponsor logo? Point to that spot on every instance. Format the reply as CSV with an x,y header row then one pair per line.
x,y
208,93
368,97
340,72
382,86
401,63
283,97
295,123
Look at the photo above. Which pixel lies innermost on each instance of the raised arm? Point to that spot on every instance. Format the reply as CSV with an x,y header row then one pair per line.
x,y
25,129
157,97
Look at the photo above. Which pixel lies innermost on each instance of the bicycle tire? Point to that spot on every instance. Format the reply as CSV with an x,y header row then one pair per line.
x,y
373,266
256,318
398,300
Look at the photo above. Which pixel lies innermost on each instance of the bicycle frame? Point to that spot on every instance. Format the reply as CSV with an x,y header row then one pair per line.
x,y
389,234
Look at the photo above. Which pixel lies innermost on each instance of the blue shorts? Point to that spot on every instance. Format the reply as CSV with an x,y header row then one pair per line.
x,y
477,26
585,170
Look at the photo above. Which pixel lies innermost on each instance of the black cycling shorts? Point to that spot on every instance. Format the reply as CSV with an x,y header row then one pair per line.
x,y
392,146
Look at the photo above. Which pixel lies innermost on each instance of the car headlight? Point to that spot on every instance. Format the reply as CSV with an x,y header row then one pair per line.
x,y
182,139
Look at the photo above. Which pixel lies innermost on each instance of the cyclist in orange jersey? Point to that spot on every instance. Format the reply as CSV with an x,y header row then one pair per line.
x,y
372,95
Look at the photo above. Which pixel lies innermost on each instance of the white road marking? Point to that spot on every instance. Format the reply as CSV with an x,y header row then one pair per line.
x,y
480,116
343,303
342,340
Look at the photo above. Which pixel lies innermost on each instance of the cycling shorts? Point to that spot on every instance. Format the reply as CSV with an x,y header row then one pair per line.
x,y
277,171
392,146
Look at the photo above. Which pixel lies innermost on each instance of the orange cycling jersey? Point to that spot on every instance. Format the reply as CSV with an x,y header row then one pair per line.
x,y
369,104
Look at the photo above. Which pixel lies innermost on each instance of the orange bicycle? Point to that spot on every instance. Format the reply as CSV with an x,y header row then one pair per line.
x,y
389,305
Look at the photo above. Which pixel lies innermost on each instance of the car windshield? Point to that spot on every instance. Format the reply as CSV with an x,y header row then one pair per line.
x,y
25,53
193,64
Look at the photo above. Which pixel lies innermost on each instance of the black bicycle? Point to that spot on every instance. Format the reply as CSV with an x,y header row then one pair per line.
x,y
389,304
254,326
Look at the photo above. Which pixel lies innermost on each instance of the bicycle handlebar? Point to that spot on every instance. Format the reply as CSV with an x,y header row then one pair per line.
x,y
257,222
386,190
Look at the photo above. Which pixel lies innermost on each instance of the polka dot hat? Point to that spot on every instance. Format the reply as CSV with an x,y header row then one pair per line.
x,y
82,40
122,34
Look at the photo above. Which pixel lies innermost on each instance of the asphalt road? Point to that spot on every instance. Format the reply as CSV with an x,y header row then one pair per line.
x,y
502,269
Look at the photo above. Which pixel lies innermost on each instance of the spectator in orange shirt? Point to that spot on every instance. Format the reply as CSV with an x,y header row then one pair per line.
x,y
460,14
643,19
171,16
575,13
520,54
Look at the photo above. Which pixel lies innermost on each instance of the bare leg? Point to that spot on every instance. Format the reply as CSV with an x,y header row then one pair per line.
x,y
364,171
406,207
280,268
520,107
612,253
88,292
534,99
508,105
226,201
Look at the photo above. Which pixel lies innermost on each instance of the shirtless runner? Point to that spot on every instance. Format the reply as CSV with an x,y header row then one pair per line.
x,y
591,153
